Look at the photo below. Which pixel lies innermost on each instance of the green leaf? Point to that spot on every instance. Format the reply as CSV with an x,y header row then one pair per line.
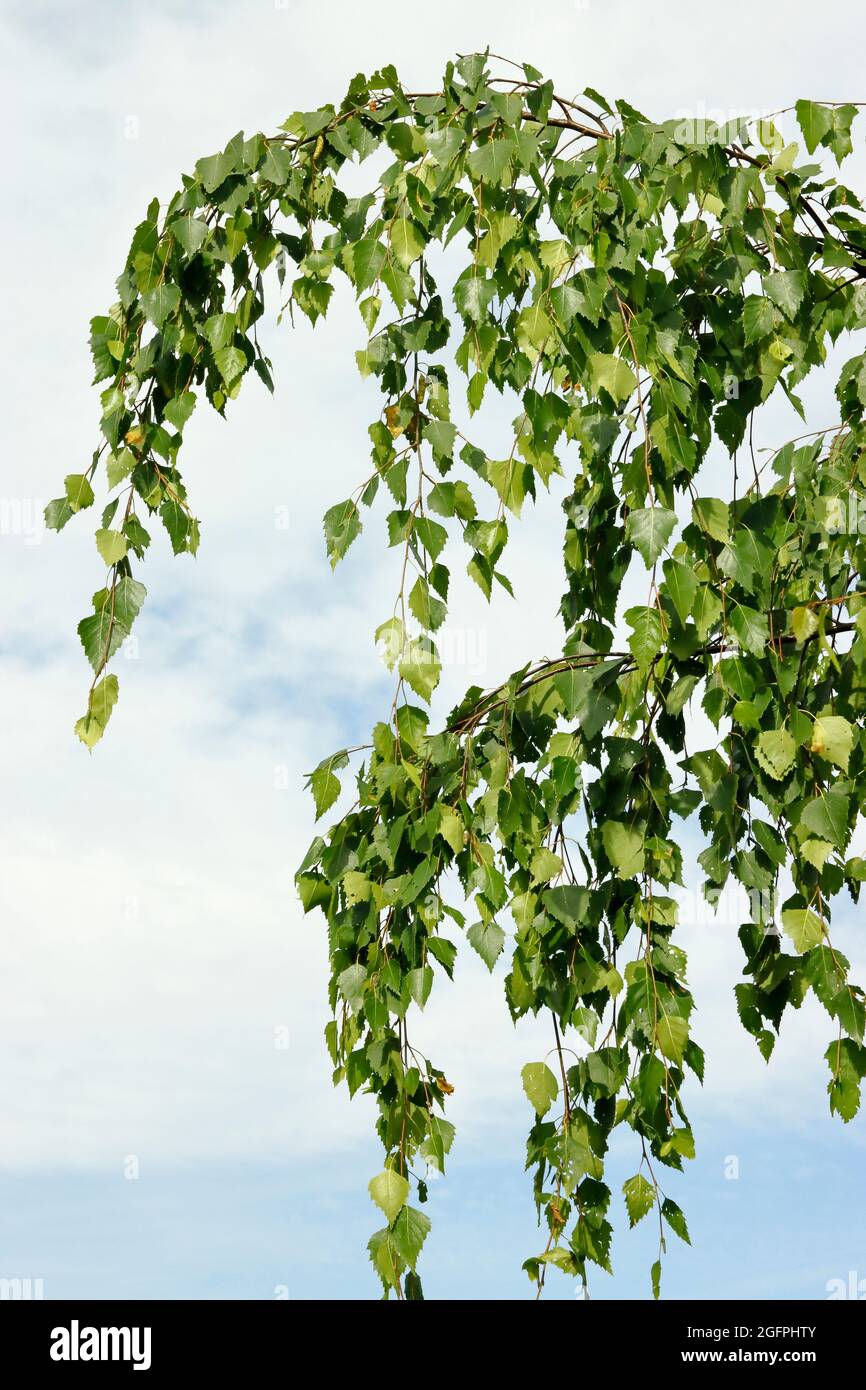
x,y
815,122
79,493
429,610
277,165
350,983
190,231
111,545
645,640
443,144
847,1061
385,1259
128,598
639,1197
119,466
507,477
491,162
214,170
101,634
363,262
406,241
544,865
409,1234
57,513
624,847
540,1085
451,828
804,928
706,610
682,586
390,637
839,139
776,752
786,288
533,328
389,1191
420,984
750,627
680,693
420,667
611,374
567,904
759,318
826,125
231,365
710,514
176,520
324,783
488,939
160,303
473,295
849,1008
650,530
826,816
342,525
220,330
431,535
672,1033
103,698
675,1219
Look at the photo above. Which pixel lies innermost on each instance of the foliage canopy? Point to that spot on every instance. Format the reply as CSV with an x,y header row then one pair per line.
x,y
642,288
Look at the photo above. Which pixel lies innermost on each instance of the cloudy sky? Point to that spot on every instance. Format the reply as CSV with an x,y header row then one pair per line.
x,y
168,1125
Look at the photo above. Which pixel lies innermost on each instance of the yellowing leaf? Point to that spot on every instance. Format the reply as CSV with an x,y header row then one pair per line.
x,y
816,852
611,374
833,739
803,624
357,887
389,1191
804,928
392,420
451,828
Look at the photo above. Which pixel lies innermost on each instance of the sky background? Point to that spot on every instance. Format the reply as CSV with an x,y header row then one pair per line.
x,y
155,959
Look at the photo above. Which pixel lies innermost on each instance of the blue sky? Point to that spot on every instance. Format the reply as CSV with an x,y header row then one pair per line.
x,y
254,1230
153,947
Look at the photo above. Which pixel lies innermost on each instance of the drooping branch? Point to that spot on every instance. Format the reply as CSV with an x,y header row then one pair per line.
x,y
641,289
